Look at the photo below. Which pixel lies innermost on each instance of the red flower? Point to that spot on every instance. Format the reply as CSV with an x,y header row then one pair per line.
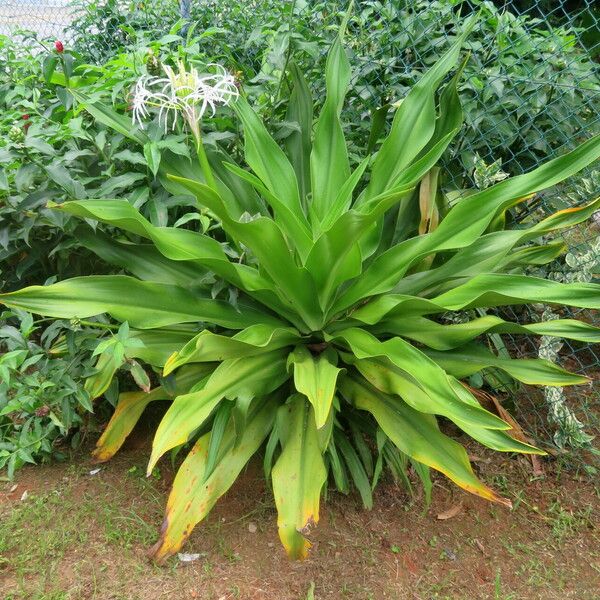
x,y
25,117
58,45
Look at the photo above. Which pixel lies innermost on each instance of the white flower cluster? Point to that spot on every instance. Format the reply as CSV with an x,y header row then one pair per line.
x,y
183,91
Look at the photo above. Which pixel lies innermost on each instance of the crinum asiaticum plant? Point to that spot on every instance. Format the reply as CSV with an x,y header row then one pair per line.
x,y
332,337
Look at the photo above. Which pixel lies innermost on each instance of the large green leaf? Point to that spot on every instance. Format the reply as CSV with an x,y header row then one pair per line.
x,y
143,304
490,251
414,123
208,346
418,436
473,358
329,164
264,237
181,245
251,376
298,476
315,377
336,256
267,159
397,367
298,144
130,407
492,438
465,222
157,345
141,260
294,226
482,291
447,336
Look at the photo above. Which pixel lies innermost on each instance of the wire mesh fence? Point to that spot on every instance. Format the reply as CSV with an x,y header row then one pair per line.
x,y
531,90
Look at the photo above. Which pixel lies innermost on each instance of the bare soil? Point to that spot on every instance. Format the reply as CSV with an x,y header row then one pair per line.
x,y
78,536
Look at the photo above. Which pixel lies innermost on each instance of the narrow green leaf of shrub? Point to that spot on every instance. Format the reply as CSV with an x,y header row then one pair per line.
x,y
316,379
418,436
252,376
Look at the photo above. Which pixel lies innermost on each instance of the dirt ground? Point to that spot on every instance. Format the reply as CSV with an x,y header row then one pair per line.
x,y
68,534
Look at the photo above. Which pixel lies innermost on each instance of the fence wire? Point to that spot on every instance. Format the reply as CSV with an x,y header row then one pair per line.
x,y
532,92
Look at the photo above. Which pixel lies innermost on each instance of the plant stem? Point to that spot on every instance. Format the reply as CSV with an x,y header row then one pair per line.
x,y
203,160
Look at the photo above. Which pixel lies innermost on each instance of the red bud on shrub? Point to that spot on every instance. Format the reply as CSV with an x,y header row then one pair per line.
x,y
58,45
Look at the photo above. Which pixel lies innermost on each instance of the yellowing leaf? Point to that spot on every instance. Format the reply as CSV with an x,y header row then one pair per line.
x,y
298,476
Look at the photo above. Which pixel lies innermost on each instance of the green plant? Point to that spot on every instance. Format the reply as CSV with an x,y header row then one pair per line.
x,y
329,336
42,400
53,150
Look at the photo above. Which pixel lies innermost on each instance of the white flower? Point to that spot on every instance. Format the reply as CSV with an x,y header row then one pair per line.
x,y
183,91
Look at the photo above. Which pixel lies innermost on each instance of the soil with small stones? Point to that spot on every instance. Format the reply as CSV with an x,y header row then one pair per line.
x,y
80,536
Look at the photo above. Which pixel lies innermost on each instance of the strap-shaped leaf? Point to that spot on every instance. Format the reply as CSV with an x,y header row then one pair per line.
x,y
409,178
473,358
356,470
490,251
267,159
414,122
480,292
533,255
465,222
180,245
191,497
143,304
298,477
495,439
298,144
249,376
329,164
158,344
130,407
343,200
240,197
264,237
315,377
294,225
336,257
450,113
143,261
418,436
448,336
208,346
396,367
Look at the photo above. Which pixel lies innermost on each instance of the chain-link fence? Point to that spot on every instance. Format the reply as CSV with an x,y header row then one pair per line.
x,y
531,90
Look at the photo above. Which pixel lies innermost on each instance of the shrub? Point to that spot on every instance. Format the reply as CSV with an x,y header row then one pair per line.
x,y
52,150
42,399
328,336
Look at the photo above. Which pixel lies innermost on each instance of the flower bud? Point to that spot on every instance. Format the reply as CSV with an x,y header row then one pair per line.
x,y
42,411
58,45
153,64
16,135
